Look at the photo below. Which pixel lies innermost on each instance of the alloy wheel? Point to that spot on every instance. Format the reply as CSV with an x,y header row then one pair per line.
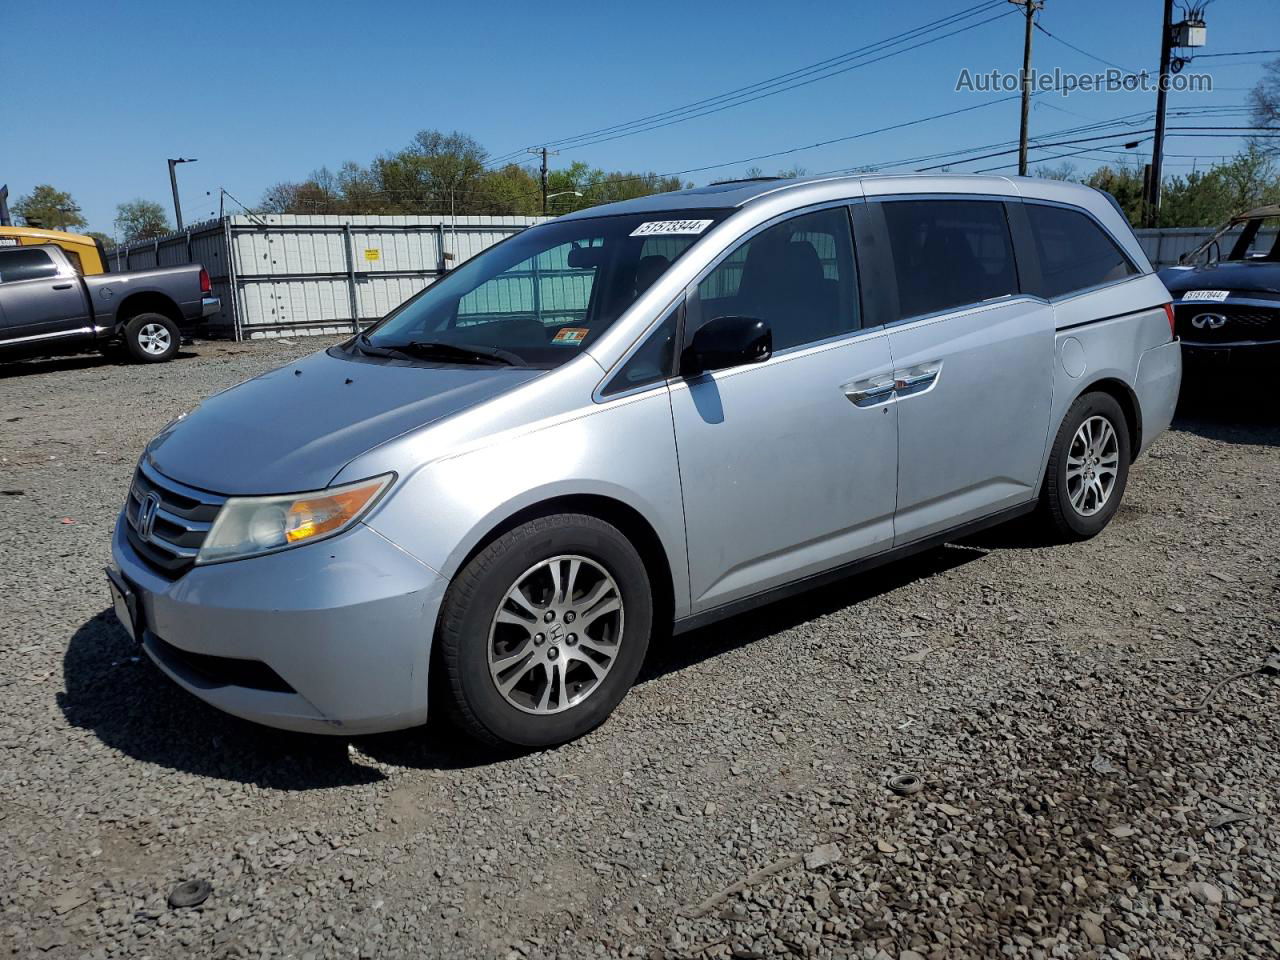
x,y
154,338
1093,463
556,634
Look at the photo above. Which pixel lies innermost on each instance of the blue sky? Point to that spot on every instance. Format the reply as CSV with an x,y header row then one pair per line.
x,y
269,90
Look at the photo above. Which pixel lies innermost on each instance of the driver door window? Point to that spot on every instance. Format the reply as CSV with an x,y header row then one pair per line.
x,y
796,275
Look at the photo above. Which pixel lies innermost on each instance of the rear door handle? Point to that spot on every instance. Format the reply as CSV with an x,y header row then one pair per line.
x,y
867,393
63,286
916,379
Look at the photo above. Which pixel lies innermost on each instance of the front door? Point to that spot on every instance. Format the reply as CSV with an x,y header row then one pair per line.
x,y
36,300
788,467
973,361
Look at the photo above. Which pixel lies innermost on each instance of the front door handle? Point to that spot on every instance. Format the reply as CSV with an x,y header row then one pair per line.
x,y
63,286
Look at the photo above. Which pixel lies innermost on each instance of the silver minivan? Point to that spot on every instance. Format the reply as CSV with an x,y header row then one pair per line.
x,y
634,420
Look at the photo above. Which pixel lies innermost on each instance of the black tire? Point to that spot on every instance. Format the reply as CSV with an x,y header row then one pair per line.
x,y
1065,521
470,695
142,335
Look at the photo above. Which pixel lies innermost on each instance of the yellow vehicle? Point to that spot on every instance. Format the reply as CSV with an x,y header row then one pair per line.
x,y
85,253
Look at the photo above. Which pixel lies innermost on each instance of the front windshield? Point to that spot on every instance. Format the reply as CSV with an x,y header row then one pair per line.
x,y
1258,240
539,298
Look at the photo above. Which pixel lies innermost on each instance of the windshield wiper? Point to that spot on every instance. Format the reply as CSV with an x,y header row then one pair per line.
x,y
457,352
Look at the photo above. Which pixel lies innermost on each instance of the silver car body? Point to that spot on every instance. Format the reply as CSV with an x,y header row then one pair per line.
x,y
745,482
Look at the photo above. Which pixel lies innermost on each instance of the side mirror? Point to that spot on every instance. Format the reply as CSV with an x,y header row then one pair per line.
x,y
727,342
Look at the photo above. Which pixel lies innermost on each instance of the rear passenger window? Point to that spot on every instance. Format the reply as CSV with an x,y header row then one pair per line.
x,y
22,264
797,276
949,253
1075,253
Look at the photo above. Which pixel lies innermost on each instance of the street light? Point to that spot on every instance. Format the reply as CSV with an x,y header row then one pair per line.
x,y
564,193
173,182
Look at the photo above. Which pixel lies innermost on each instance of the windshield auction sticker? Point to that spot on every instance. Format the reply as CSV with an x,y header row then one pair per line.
x,y
570,336
1210,296
664,228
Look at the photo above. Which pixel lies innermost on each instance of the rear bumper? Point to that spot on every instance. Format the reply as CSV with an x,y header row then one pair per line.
x,y
1158,380
209,306
334,637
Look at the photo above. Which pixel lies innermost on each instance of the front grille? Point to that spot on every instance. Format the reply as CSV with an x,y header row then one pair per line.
x,y
181,521
1243,322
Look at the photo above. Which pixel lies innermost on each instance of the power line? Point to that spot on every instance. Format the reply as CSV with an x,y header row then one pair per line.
x,y
1236,53
1082,51
792,80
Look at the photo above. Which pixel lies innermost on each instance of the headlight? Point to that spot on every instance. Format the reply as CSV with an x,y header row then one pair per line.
x,y
247,526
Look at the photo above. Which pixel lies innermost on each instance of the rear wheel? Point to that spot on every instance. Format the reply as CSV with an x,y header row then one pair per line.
x,y
1088,468
543,632
151,338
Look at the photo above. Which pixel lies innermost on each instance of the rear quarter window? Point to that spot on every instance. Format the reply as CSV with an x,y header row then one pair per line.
x,y
1075,252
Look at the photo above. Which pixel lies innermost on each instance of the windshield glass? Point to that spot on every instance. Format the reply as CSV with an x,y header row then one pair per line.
x,y
539,298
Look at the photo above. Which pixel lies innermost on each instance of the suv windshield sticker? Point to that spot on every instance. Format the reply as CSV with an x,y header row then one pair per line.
x,y
656,228
1212,296
570,336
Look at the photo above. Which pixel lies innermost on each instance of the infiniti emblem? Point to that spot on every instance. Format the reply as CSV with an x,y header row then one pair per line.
x,y
147,515
1208,321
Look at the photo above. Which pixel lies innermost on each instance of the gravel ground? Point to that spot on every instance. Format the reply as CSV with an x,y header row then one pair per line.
x,y
736,805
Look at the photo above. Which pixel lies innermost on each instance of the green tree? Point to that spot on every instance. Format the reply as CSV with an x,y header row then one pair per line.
x,y
439,173
48,207
1123,183
141,220
106,241
1211,197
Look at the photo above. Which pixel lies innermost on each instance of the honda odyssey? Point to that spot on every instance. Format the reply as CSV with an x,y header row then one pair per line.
x,y
636,419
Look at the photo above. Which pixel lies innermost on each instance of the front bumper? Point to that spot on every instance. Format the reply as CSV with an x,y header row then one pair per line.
x,y
1206,357
345,623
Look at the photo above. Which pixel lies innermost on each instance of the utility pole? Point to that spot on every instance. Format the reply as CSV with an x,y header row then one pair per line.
x,y
1162,97
173,184
1031,6
544,152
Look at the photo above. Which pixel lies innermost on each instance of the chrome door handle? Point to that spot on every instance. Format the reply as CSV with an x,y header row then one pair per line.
x,y
916,379
866,393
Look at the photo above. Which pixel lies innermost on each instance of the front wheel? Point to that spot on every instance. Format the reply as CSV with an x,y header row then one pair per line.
x,y
1088,468
151,338
542,633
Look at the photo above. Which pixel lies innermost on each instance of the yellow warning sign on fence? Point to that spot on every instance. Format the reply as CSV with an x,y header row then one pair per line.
x,y
373,253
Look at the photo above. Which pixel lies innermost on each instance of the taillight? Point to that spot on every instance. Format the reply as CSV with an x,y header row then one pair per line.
x,y
207,287
1168,312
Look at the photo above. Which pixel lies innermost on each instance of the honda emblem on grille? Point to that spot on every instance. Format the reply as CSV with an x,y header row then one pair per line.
x,y
1208,321
147,515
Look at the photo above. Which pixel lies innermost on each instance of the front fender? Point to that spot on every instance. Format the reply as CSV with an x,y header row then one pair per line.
x,y
623,450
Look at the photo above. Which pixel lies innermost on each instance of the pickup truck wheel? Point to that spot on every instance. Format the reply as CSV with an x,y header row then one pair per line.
x,y
542,633
151,338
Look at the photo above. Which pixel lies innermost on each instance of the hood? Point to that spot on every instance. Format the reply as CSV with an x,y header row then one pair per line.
x,y
293,429
1237,276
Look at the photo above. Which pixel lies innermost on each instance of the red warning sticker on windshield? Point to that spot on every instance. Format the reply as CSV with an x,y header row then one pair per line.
x,y
570,336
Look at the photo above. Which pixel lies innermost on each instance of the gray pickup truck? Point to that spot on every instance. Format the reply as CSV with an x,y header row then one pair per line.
x,y
48,307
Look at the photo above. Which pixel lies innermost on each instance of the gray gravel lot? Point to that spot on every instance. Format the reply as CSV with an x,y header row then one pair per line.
x,y
736,806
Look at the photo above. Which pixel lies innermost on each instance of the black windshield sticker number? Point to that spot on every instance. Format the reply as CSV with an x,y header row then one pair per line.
x,y
668,228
